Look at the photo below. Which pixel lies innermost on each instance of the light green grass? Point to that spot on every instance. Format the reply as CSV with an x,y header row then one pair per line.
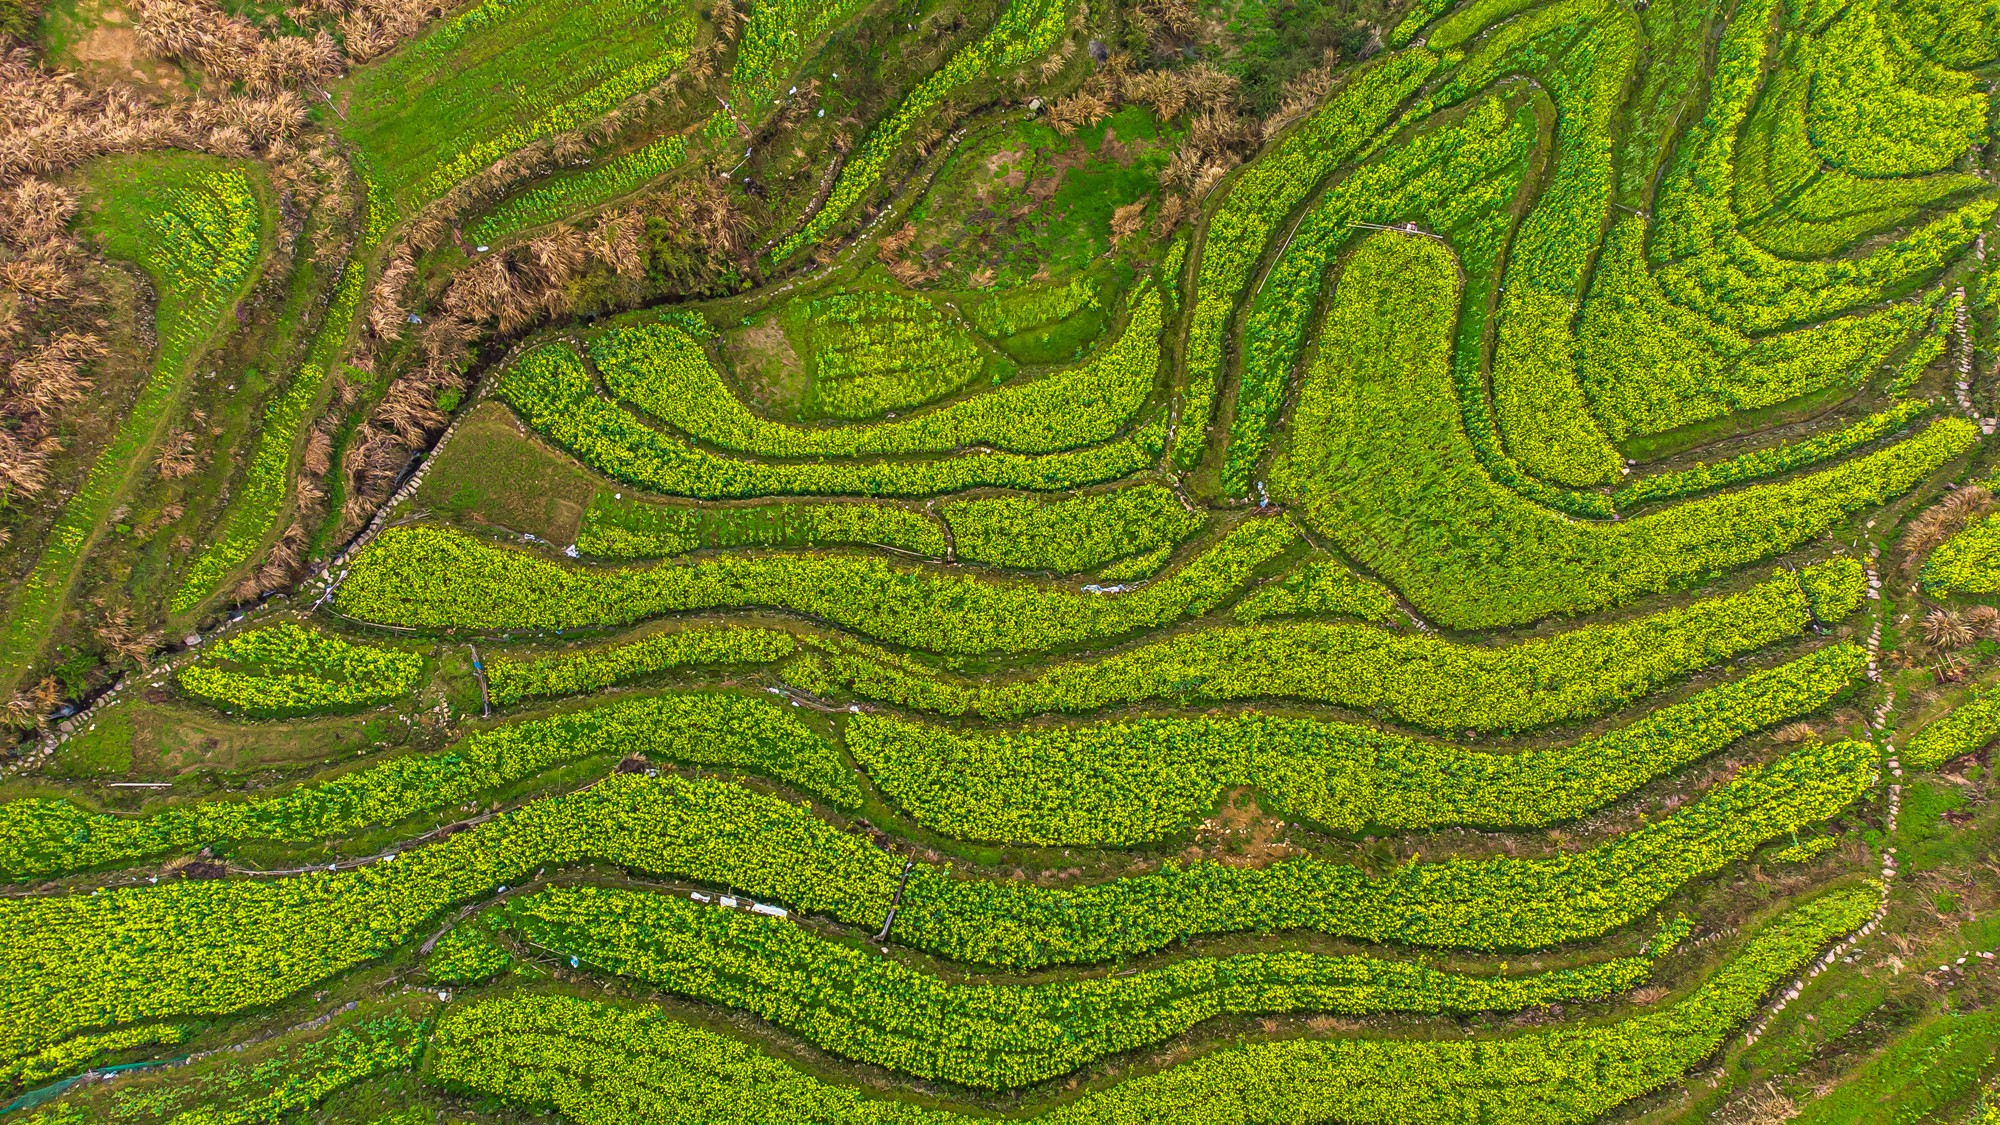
x,y
508,72
566,193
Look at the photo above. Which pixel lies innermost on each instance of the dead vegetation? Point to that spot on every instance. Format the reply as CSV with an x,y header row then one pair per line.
x,y
1940,522
49,121
230,50
43,358
1942,634
502,293
1221,132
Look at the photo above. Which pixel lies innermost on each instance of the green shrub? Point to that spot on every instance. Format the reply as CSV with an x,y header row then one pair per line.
x,y
17,20
287,669
1136,780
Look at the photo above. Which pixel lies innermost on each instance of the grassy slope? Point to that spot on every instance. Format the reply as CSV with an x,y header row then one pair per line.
x,y
503,74
194,306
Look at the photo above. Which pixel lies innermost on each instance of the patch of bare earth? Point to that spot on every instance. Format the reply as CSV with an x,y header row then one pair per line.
x,y
1239,834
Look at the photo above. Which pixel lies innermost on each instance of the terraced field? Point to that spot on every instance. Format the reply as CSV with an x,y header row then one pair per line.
x,y
649,563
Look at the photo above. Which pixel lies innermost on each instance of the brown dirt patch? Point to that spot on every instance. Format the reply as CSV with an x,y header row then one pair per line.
x,y
112,49
1239,834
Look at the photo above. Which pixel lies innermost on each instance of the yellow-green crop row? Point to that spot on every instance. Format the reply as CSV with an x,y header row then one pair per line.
x,y
202,248
1650,365
573,673
1026,29
996,1036
1964,730
1772,460
46,837
1319,587
1966,563
1069,535
1879,107
70,1054
568,114
564,194
1378,461
550,389
603,1064
304,1068
287,669
255,511
1581,53
1714,269
1260,199
1136,780
666,372
1107,784
1418,679
867,351
77,961
631,528
431,578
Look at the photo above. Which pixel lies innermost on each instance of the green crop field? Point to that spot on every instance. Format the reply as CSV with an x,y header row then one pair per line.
x,y
1348,562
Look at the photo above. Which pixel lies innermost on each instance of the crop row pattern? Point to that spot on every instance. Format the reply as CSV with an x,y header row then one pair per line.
x,y
601,1064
